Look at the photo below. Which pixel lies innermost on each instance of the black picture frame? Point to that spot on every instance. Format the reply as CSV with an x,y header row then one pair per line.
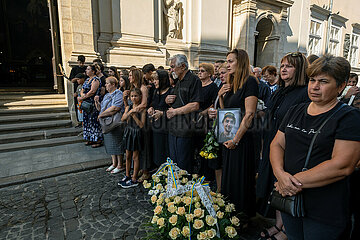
x,y
234,119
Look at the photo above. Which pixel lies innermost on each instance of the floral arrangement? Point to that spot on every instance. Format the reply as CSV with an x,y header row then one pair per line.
x,y
185,216
211,147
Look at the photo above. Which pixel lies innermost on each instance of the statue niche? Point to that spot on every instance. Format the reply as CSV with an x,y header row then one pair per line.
x,y
173,16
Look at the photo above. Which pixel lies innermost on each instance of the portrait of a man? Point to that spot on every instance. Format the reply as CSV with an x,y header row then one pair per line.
x,y
227,126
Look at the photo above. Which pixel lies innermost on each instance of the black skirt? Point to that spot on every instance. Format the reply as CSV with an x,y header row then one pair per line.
x,y
238,175
133,138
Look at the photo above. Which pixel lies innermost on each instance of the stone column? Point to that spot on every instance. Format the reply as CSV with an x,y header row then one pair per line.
x,y
134,42
76,34
244,25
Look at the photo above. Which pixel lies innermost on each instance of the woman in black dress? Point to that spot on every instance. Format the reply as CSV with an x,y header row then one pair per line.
x,y
292,91
240,91
157,114
209,91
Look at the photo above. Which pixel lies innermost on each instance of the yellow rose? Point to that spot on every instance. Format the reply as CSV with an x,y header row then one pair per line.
x,y
195,176
198,224
220,215
170,204
159,201
159,187
235,221
167,200
202,236
185,231
184,180
148,185
187,201
189,217
216,207
210,220
160,222
199,213
211,156
158,210
174,233
202,153
172,209
161,195
196,199
231,232
177,200
206,154
220,202
145,182
230,207
153,198
213,194
211,233
154,219
157,179
198,205
180,211
173,219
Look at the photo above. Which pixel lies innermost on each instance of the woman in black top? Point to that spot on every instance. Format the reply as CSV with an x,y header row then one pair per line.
x,y
238,176
157,114
292,90
336,151
209,91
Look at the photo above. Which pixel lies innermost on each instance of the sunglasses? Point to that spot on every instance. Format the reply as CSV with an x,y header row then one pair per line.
x,y
294,54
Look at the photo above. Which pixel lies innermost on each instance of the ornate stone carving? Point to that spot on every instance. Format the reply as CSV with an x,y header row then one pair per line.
x,y
173,15
346,45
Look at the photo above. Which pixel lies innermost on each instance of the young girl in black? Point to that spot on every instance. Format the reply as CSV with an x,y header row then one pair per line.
x,y
133,137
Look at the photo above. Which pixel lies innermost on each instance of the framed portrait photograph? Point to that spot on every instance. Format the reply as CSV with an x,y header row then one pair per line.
x,y
228,123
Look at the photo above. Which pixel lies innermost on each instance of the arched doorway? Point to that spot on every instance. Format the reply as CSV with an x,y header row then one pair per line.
x,y
266,44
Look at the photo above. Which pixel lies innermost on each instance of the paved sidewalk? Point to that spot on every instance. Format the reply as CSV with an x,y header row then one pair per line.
x,y
33,164
84,205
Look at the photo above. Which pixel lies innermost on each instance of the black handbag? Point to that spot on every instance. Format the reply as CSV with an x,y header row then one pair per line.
x,y
294,205
87,106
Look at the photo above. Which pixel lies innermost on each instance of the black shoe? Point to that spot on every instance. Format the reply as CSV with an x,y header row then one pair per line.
x,y
124,180
130,184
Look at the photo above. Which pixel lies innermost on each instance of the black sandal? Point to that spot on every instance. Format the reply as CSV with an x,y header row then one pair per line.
x,y
267,234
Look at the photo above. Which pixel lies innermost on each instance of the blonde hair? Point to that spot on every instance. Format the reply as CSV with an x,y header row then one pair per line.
x,y
208,67
112,80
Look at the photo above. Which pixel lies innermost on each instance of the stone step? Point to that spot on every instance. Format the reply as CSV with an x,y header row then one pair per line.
x,y
31,126
39,143
14,96
33,117
39,135
34,110
31,103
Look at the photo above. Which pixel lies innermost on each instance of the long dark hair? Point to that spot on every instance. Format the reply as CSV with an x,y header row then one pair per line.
x,y
127,84
164,81
114,69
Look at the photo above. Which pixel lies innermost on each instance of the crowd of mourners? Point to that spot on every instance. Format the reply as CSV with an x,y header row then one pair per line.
x,y
168,112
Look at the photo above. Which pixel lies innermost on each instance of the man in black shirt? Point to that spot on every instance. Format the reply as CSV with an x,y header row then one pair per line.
x,y
80,68
184,103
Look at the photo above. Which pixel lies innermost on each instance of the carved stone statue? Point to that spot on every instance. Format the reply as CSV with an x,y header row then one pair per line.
x,y
173,12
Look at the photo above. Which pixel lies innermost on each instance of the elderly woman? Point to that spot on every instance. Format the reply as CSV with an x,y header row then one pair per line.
x,y
292,90
333,158
269,74
110,105
91,88
157,114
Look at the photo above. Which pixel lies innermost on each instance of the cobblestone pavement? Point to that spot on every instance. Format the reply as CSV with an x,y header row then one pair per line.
x,y
85,205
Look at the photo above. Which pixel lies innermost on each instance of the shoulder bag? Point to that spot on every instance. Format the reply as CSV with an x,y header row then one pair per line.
x,y
111,122
294,205
87,105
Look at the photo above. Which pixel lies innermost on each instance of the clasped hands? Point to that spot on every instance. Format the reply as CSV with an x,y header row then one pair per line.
x,y
287,184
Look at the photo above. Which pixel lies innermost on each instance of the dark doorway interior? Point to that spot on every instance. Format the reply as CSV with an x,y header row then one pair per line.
x,y
25,44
